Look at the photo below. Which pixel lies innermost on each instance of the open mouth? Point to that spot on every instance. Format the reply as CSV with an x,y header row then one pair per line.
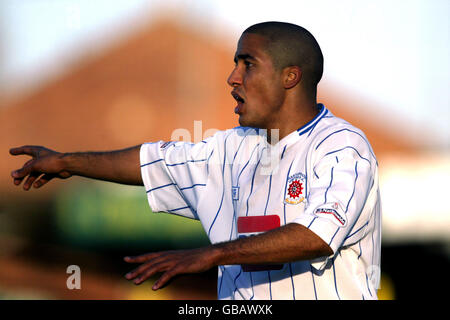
x,y
237,97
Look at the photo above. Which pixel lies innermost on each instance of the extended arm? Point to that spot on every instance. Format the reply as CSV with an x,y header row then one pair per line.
x,y
288,243
291,242
121,166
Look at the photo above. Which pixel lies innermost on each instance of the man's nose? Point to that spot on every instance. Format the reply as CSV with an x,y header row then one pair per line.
x,y
235,78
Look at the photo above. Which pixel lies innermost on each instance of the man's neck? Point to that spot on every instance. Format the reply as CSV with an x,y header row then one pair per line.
x,y
291,119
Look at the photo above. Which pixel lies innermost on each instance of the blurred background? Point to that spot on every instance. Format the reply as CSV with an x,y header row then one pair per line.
x,y
79,75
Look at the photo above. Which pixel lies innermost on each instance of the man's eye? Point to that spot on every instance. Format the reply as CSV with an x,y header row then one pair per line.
x,y
248,64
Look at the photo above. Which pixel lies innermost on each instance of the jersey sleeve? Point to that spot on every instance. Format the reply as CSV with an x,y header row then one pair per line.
x,y
175,175
340,180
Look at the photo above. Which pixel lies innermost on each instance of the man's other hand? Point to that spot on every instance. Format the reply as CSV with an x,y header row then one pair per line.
x,y
44,165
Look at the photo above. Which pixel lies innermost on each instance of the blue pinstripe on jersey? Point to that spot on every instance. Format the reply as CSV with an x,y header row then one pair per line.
x,y
235,286
285,188
253,179
348,147
173,184
253,290
329,186
356,231
237,184
311,222
219,287
246,214
240,144
307,181
268,195
284,214
246,164
265,212
329,243
354,186
173,164
284,149
367,283
146,164
352,131
160,187
234,213
223,182
360,250
314,282
270,284
207,162
194,185
334,275
176,209
292,280
181,163
314,171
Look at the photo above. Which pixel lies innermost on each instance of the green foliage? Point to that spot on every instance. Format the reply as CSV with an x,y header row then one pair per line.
x,y
97,214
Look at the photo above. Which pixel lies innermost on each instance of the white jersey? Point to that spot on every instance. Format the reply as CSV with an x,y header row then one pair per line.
x,y
323,176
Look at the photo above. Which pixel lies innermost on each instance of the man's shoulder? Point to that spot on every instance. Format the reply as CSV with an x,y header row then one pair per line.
x,y
336,128
335,133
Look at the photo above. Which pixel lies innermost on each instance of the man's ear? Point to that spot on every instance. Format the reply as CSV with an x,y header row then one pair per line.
x,y
291,76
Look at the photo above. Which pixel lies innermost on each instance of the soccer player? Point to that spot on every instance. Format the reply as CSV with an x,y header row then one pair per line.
x,y
289,200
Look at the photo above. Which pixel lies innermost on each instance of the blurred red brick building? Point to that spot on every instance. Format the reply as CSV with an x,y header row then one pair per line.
x,y
160,79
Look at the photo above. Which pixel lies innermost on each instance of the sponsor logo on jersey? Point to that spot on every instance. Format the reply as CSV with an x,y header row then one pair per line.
x,y
295,190
331,212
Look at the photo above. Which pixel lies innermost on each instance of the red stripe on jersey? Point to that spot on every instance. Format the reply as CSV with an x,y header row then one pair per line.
x,y
258,223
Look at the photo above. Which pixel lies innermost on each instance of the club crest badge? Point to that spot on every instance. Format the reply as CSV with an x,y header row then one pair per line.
x,y
295,189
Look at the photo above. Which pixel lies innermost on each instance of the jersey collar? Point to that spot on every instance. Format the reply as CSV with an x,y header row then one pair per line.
x,y
295,135
311,124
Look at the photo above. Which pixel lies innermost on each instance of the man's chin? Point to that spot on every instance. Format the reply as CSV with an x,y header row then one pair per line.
x,y
244,122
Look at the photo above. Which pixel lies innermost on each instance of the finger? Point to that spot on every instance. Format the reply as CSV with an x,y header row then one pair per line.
x,y
155,268
141,258
164,279
28,183
17,181
136,272
23,172
43,180
14,173
142,268
29,150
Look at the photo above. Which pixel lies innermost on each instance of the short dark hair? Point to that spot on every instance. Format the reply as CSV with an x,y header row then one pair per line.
x,y
291,45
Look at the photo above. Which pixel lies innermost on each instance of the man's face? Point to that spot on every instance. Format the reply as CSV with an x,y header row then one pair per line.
x,y
257,86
